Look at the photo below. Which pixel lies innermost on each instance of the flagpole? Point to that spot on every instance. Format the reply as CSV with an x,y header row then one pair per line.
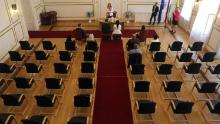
x,y
165,21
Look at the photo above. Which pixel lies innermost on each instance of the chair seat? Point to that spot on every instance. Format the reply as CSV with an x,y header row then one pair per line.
x,y
215,104
78,120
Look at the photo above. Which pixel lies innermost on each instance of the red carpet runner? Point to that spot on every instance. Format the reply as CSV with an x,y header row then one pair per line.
x,y
112,100
97,33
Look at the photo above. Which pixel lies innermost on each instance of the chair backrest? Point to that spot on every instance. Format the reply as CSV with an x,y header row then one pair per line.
x,y
142,86
25,45
137,69
154,46
159,57
31,68
91,45
183,107
48,45
60,68
135,58
4,68
53,83
85,83
208,87
146,107
165,69
87,67
12,99
36,119
70,46
209,57
78,120
89,56
7,118
82,100
40,55
116,36
173,86
217,69
185,57
45,100
197,46
15,56
22,82
65,56
194,68
217,107
176,46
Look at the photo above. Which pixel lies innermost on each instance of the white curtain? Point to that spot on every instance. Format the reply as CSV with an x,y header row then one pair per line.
x,y
187,9
204,20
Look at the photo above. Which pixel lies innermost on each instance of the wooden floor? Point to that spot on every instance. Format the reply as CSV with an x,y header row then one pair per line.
x,y
65,109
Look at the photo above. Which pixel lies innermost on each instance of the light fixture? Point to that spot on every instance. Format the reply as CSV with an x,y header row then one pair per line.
x,y
14,6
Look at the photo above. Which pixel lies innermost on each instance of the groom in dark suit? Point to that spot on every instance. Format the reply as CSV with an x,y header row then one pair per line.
x,y
155,10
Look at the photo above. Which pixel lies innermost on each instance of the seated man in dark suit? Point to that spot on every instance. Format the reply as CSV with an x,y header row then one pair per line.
x,y
131,42
106,30
81,34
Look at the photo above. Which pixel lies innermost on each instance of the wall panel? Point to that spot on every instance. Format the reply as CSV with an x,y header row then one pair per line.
x,y
69,1
7,42
70,10
5,19
19,32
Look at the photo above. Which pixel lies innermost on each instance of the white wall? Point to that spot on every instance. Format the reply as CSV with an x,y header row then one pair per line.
x,y
12,28
214,41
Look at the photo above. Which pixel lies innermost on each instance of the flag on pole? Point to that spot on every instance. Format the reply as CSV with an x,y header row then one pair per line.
x,y
160,11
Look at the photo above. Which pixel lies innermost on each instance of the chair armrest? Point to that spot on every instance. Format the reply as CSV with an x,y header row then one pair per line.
x,y
61,80
20,98
9,117
67,67
173,104
30,81
130,68
12,66
90,98
210,103
137,105
54,98
165,84
198,84
40,66
157,68
185,67
44,121
133,83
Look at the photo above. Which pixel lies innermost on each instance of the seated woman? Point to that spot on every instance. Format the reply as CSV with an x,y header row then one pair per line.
x,y
116,34
142,35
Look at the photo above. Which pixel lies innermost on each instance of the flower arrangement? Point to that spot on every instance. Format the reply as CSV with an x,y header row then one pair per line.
x,y
128,15
89,14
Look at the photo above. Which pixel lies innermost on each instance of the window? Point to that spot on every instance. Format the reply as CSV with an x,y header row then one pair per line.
x,y
187,9
204,20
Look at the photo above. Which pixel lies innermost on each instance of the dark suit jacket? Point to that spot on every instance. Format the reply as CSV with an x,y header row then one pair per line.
x,y
106,28
80,34
155,9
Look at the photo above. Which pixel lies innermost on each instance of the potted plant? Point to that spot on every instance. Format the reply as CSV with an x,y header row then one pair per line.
x,y
89,15
128,15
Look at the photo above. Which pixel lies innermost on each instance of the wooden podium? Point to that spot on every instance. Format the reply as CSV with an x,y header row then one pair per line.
x,y
48,18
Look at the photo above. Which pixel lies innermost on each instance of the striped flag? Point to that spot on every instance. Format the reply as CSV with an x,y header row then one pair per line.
x,y
160,11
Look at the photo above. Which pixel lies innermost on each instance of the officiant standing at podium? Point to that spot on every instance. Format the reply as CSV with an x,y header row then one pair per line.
x,y
110,11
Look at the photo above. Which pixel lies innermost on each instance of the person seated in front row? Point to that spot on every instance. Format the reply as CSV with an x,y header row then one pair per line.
x,y
106,30
69,39
117,31
131,42
81,34
156,39
135,50
142,35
